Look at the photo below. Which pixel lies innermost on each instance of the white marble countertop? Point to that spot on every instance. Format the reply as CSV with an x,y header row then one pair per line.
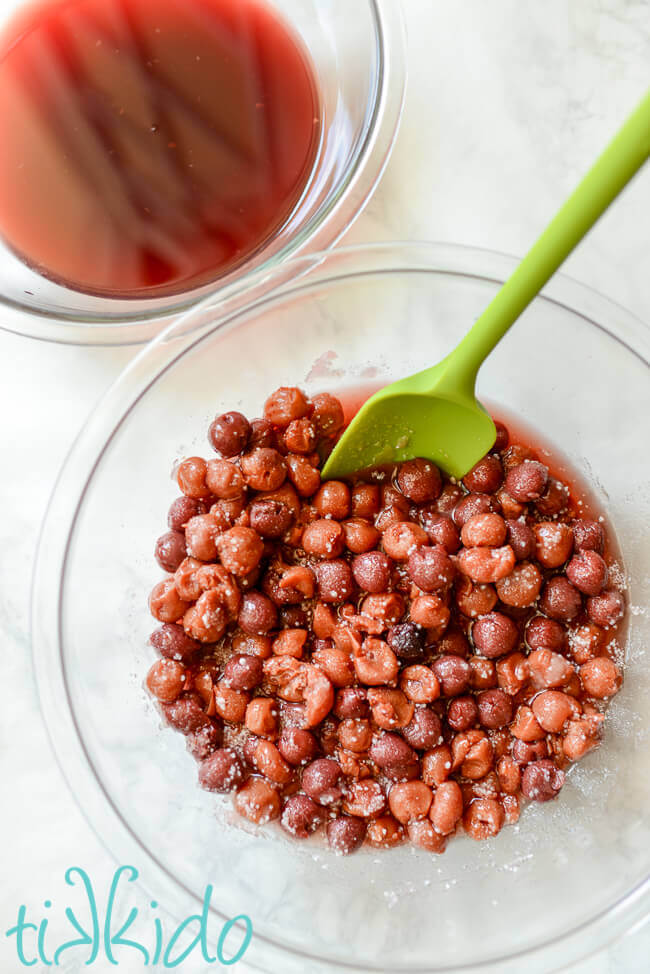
x,y
500,121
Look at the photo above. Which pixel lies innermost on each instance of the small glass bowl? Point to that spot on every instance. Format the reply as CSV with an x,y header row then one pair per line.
x,y
357,51
573,874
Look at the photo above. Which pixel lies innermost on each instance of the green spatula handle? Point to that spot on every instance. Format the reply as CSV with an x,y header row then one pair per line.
x,y
625,154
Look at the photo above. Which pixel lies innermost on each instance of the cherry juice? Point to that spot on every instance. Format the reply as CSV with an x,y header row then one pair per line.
x,y
149,146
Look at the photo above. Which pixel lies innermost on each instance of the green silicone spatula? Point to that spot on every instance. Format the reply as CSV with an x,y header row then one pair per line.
x,y
435,413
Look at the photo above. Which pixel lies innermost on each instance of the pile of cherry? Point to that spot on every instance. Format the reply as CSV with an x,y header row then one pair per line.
x,y
394,657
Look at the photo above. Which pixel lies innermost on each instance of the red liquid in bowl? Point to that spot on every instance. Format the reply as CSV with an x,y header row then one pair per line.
x,y
149,146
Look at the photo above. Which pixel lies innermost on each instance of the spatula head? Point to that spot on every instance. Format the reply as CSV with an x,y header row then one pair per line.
x,y
392,426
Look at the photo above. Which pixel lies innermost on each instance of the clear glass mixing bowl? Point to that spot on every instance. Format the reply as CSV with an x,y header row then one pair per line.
x,y
571,875
358,54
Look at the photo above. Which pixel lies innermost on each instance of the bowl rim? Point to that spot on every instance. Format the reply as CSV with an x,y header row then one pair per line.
x,y
115,834
334,216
